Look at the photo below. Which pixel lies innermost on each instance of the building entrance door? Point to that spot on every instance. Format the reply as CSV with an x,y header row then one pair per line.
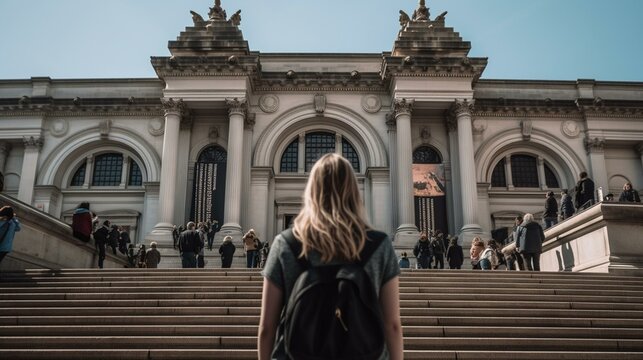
x,y
208,194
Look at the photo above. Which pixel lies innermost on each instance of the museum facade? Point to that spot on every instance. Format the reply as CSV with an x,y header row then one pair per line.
x,y
228,134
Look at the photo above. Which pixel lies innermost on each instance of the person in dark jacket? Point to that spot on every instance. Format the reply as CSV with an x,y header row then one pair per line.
x,y
140,257
123,240
584,195
101,237
227,250
629,194
437,248
189,246
152,256
529,242
114,235
422,252
455,256
550,216
81,222
566,205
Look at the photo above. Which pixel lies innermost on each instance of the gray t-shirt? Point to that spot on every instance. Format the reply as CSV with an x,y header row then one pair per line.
x,y
283,270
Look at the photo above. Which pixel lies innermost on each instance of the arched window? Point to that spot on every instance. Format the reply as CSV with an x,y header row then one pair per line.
x,y
316,145
79,176
108,169
290,158
524,173
426,155
135,175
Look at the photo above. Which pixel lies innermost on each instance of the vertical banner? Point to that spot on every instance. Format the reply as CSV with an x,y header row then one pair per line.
x,y
429,192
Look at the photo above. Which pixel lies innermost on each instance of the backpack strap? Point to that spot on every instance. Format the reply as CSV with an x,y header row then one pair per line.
x,y
374,239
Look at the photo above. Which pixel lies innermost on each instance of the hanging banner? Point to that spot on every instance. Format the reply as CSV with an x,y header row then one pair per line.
x,y
429,180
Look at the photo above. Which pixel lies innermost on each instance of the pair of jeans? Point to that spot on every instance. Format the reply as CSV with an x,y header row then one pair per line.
x,y
532,261
485,264
188,260
550,221
101,256
251,259
424,262
438,259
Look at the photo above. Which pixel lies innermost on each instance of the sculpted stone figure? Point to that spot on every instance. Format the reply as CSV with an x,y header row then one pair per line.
x,y
404,19
235,19
198,19
441,16
422,12
217,12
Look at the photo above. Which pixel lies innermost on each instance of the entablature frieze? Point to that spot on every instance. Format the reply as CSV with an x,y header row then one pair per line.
x,y
50,107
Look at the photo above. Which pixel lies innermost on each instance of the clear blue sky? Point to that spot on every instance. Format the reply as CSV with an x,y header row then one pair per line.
x,y
523,39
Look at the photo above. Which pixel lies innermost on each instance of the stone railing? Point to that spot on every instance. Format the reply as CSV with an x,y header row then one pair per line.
x,y
46,242
606,238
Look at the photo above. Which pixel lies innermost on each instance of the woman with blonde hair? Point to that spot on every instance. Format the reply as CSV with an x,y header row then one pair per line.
x,y
331,230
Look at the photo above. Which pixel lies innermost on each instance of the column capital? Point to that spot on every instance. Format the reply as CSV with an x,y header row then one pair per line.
x,y
33,142
390,120
639,148
5,147
171,106
451,122
462,107
402,107
237,106
595,145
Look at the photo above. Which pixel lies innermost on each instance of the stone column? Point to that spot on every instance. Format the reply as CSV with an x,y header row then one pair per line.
x,y
247,221
468,187
234,169
5,147
338,144
259,203
380,201
162,232
125,172
392,161
452,127
406,234
89,171
508,176
596,151
29,166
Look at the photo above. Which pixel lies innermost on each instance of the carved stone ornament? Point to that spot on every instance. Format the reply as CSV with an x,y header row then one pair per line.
x,y
639,148
217,13
105,127
402,106
526,128
59,127
371,103
320,104
479,126
213,133
170,105
250,121
595,145
422,12
391,121
237,106
451,122
269,103
5,147
198,20
33,142
156,127
405,19
570,128
235,19
462,106
425,134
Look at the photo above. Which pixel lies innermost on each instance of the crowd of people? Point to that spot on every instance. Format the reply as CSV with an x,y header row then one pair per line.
x,y
430,251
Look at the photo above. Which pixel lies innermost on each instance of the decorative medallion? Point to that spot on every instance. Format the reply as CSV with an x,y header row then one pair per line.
x,y
156,127
269,103
570,128
371,103
479,126
59,127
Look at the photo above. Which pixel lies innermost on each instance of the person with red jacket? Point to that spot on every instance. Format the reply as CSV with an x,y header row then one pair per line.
x,y
81,222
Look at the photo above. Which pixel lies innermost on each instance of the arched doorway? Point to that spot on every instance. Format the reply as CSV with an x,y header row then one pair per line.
x,y
429,190
208,194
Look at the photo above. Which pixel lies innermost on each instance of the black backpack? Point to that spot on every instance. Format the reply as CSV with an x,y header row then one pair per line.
x,y
333,311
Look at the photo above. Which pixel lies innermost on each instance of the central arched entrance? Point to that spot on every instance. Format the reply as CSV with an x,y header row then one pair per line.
x,y
208,192
429,190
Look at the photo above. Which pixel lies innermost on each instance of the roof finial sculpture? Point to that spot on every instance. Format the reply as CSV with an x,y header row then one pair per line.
x,y
217,13
235,19
404,19
422,12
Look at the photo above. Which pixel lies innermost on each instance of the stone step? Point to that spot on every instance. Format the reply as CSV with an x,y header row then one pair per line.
x,y
233,354
180,341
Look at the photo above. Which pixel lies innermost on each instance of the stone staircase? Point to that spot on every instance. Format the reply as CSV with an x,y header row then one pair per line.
x,y
213,314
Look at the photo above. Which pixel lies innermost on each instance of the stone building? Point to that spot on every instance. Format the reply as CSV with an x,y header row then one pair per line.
x,y
229,134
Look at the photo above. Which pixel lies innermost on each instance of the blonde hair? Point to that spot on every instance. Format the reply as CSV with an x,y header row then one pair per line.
x,y
153,244
332,220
